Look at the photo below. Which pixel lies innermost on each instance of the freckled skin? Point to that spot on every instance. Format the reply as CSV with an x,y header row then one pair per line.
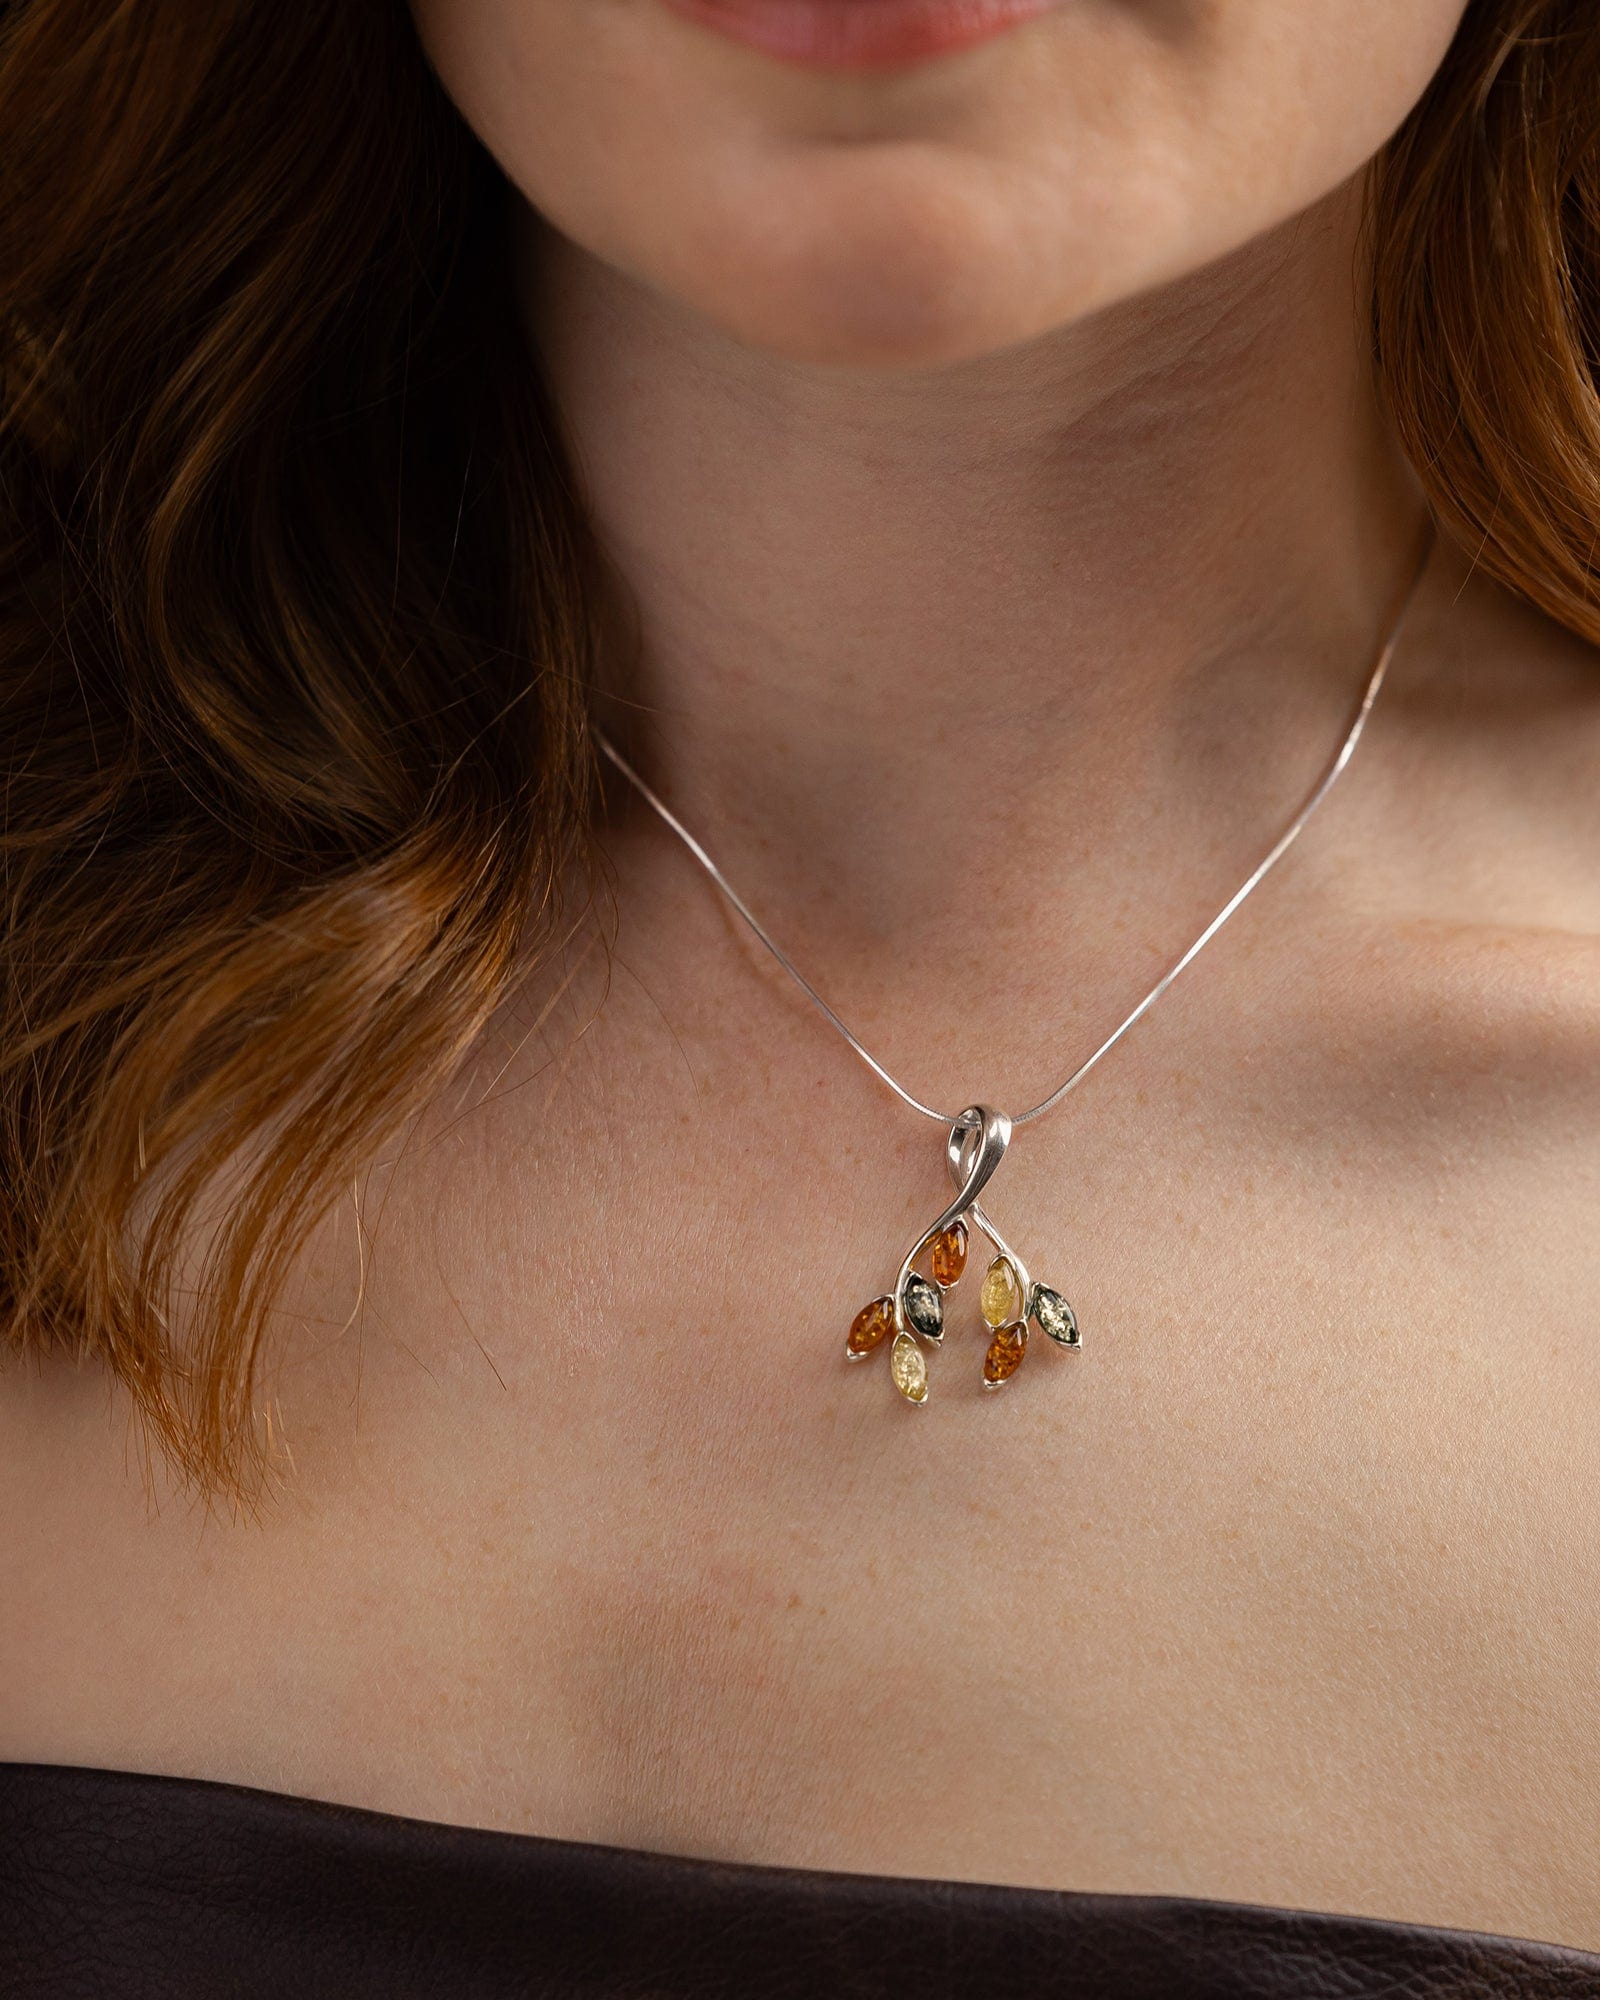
x,y
989,451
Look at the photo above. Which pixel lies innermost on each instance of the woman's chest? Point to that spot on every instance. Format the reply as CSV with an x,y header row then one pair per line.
x,y
1277,1591
1284,1587
1307,1615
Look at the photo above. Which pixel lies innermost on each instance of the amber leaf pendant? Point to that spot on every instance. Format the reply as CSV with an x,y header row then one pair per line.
x,y
911,1317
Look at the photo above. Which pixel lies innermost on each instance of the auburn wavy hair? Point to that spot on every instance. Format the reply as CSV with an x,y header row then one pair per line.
x,y
298,604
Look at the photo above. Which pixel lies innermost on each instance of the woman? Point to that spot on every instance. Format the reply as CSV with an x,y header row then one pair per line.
x,y
976,468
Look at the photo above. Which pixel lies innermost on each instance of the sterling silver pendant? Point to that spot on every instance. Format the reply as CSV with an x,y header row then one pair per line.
x,y
913,1313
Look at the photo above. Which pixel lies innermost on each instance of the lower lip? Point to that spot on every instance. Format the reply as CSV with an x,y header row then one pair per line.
x,y
859,34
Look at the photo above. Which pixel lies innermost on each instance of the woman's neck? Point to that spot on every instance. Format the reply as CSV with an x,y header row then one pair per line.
x,y
1126,577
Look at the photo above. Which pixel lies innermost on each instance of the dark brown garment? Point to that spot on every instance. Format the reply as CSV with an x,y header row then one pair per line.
x,y
115,1884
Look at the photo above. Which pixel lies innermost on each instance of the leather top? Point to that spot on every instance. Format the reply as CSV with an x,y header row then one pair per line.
x,y
116,1885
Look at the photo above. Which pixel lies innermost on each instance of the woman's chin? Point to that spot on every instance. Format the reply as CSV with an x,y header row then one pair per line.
x,y
856,321
884,279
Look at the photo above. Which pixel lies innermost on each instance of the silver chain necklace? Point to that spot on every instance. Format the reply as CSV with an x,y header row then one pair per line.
x,y
976,1138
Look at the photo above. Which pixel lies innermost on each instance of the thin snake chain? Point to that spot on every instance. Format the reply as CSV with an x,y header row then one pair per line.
x,y
979,1135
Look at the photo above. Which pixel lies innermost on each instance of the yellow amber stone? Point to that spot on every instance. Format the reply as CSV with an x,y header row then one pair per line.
x,y
1005,1353
948,1253
868,1327
909,1368
1001,1298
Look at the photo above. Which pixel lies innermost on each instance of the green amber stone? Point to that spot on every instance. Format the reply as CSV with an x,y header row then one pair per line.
x,y
1051,1313
923,1307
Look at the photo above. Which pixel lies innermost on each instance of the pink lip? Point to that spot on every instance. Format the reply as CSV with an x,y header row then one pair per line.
x,y
858,34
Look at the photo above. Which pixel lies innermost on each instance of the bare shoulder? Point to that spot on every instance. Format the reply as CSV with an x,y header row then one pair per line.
x,y
1492,737
62,1476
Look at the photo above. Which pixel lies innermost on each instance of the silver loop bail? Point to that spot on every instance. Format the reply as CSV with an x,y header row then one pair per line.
x,y
976,1146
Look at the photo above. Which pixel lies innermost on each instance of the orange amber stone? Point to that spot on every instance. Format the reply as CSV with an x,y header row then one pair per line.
x,y
1005,1353
870,1326
948,1253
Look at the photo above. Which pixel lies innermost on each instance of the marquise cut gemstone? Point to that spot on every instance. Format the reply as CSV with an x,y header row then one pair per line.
x,y
1000,1301
1005,1353
870,1326
923,1306
948,1253
909,1368
1054,1316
